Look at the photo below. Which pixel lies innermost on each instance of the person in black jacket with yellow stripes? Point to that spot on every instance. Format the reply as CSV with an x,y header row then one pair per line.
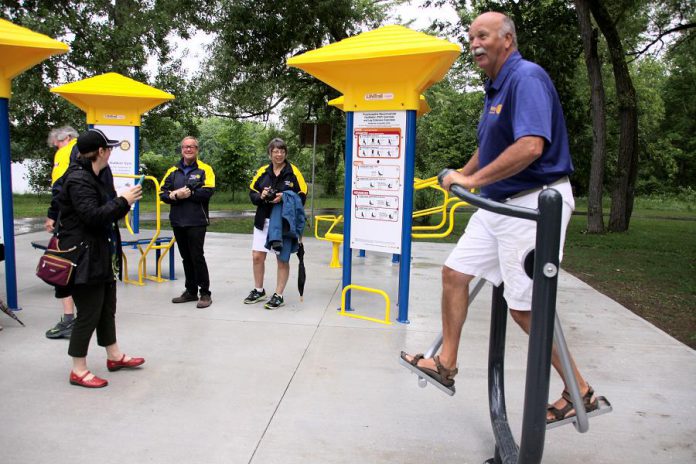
x,y
266,190
187,187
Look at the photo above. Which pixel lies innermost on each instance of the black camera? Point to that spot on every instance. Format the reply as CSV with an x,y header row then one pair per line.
x,y
270,195
192,184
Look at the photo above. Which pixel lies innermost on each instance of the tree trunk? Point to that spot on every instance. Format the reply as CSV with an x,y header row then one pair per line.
x,y
332,154
595,215
623,190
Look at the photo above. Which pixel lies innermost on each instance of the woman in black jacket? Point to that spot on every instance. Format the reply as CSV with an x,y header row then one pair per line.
x,y
88,221
265,191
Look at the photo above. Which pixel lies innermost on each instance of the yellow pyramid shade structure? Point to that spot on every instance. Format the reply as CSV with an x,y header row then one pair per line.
x,y
384,69
423,107
112,99
20,49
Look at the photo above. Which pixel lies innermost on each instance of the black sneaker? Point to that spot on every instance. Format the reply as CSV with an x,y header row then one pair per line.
x,y
184,298
63,329
255,296
275,302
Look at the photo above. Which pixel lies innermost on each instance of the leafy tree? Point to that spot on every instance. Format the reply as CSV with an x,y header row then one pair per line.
x,y
590,40
658,168
104,36
311,104
446,137
156,165
623,190
679,124
247,76
231,148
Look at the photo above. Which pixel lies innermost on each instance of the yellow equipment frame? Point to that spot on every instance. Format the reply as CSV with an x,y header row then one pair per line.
x,y
336,239
387,304
449,203
152,244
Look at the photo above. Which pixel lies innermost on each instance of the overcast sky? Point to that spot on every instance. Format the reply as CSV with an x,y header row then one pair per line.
x,y
195,49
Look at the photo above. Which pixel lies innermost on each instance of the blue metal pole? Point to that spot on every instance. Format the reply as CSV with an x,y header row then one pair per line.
x,y
172,270
7,206
347,197
407,220
136,148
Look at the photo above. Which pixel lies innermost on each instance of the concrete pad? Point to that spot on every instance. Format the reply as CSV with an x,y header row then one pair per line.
x,y
235,383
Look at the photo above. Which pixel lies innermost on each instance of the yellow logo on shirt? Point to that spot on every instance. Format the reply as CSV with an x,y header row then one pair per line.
x,y
496,109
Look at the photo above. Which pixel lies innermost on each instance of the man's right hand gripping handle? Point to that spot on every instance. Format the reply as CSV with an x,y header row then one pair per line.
x,y
443,174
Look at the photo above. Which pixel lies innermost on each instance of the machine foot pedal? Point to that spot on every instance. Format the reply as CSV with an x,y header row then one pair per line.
x,y
604,407
422,378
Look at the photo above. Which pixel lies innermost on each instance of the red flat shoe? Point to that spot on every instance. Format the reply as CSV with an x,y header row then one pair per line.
x,y
117,365
94,382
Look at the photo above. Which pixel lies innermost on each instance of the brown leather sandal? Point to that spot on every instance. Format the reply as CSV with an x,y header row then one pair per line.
x,y
443,375
588,399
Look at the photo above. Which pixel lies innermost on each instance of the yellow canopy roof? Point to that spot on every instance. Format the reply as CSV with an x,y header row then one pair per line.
x,y
20,49
384,69
112,98
423,107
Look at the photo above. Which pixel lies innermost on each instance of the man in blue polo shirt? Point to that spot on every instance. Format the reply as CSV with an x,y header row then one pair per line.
x,y
522,147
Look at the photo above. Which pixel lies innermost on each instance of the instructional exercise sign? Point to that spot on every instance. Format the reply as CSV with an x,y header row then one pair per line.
x,y
122,160
378,180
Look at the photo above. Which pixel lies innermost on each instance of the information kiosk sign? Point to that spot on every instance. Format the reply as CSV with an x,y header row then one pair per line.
x,y
377,196
381,74
123,159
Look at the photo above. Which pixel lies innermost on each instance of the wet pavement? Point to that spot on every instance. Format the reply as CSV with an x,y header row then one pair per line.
x,y
236,383
29,225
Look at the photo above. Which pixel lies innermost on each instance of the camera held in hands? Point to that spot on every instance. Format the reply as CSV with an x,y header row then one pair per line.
x,y
192,184
270,195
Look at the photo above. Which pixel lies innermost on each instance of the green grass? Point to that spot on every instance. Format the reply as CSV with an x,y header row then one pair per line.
x,y
31,205
651,269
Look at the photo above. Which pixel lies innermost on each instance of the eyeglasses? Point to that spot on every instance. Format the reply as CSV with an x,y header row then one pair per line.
x,y
189,147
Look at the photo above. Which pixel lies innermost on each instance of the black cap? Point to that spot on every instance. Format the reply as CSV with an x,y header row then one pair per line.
x,y
94,139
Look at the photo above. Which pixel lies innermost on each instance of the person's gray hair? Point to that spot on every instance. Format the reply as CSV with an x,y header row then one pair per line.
x,y
279,144
508,27
190,137
61,133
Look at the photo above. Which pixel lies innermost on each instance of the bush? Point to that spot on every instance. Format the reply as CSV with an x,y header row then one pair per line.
x,y
155,165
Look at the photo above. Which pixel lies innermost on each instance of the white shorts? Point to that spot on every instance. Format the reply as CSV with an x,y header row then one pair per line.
x,y
259,240
494,247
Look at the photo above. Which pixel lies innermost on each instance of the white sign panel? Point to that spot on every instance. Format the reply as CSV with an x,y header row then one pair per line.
x,y
122,160
377,187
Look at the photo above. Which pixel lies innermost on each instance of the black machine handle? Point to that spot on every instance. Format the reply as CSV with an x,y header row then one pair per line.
x,y
487,204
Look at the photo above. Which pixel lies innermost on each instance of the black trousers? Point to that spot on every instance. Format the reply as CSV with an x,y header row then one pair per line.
x,y
190,241
96,309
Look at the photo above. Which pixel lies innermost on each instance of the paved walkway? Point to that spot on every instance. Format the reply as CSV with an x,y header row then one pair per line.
x,y
239,384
